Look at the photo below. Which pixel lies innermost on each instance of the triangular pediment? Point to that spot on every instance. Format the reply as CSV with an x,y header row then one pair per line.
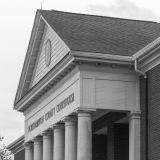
x,y
81,33
35,68
58,51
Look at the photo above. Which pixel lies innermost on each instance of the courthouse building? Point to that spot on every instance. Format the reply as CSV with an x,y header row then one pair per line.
x,y
90,89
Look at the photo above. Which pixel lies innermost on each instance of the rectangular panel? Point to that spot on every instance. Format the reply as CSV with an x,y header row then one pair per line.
x,y
116,95
87,91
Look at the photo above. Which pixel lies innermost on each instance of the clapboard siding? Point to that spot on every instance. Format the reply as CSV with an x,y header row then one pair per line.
x,y
59,50
44,68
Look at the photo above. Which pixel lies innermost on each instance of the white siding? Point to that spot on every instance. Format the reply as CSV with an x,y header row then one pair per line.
x,y
59,50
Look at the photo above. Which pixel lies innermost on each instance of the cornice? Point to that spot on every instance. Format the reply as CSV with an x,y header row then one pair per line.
x,y
100,57
17,145
146,49
47,82
31,56
149,61
149,56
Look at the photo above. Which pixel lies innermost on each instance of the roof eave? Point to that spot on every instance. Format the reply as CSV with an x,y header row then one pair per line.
x,y
148,57
146,49
100,57
43,84
16,145
27,58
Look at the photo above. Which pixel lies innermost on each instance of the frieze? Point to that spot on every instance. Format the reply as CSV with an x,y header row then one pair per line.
x,y
67,101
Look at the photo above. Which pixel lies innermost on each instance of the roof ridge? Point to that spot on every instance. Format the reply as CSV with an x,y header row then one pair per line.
x,y
102,16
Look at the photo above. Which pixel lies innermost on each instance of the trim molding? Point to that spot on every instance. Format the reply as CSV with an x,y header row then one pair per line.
x,y
17,145
149,56
146,49
42,86
150,61
28,58
102,58
56,34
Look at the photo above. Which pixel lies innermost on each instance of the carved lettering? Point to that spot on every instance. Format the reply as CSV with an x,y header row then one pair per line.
x,y
49,114
36,124
67,101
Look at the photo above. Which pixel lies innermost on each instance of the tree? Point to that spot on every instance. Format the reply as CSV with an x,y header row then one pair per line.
x,y
4,153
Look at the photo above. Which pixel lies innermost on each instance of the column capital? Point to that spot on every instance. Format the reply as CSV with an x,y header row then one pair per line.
x,y
84,110
37,139
134,114
47,133
57,126
69,119
28,145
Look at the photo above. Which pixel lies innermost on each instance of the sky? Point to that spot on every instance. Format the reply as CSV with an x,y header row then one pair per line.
x,y
16,21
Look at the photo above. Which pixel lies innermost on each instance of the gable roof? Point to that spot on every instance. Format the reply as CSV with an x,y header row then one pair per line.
x,y
100,34
88,34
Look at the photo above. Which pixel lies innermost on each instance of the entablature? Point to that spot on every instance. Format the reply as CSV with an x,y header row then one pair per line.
x,y
72,60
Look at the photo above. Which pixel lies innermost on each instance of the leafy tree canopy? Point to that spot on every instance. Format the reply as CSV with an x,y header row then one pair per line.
x,y
4,153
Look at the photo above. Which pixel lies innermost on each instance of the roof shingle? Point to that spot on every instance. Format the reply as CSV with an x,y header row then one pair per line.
x,y
100,34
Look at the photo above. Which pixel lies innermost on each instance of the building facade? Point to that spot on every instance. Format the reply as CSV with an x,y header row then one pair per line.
x,y
89,88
